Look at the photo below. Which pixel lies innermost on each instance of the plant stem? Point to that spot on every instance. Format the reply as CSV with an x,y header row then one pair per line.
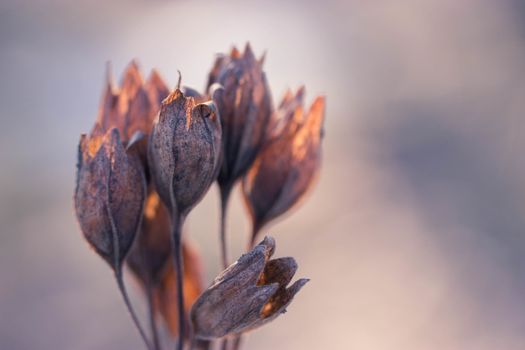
x,y
179,268
152,318
225,195
124,293
117,267
224,344
237,342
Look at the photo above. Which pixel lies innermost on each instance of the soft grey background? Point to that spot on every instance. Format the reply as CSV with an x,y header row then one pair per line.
x,y
414,236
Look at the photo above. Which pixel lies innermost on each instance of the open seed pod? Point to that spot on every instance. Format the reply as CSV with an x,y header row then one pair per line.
x,y
287,166
250,293
245,107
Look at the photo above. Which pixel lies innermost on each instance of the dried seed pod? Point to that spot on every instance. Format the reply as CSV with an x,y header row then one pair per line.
x,y
248,294
245,107
152,249
165,293
286,167
184,150
133,106
109,196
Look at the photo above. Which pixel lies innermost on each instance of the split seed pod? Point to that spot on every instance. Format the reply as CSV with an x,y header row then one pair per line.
x,y
132,106
184,150
109,196
248,294
245,106
286,167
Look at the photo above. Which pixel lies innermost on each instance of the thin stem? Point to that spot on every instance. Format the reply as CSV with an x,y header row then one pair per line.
x,y
117,267
179,268
225,195
152,318
237,342
124,293
224,344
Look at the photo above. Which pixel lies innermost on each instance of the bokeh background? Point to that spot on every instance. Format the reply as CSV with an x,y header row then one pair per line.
x,y
414,236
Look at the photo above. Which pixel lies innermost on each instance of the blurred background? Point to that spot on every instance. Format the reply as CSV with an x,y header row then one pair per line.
x,y
414,235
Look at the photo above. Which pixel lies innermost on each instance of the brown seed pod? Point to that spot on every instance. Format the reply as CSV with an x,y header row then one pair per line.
x,y
286,167
245,106
133,106
184,150
109,196
250,293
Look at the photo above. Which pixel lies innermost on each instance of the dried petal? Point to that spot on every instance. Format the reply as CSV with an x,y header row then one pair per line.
x,y
109,195
251,292
184,150
287,166
245,107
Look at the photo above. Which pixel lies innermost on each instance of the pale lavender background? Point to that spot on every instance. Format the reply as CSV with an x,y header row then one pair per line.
x,y
414,236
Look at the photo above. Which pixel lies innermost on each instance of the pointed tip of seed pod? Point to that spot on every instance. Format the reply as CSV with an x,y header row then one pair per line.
x,y
174,95
155,78
234,52
316,113
262,58
268,245
248,52
297,285
180,79
134,65
110,81
131,78
82,150
300,92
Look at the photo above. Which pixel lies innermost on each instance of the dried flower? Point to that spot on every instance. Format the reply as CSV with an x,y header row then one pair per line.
x,y
109,195
245,106
251,292
184,150
286,167
133,106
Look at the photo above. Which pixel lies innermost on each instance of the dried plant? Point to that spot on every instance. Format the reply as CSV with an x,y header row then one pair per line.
x,y
151,157
246,295
287,165
245,107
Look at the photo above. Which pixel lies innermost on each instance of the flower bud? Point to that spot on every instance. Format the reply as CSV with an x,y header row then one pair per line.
x,y
109,195
250,293
286,167
245,107
184,150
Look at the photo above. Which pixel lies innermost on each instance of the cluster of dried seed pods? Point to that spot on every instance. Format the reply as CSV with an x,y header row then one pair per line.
x,y
151,157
